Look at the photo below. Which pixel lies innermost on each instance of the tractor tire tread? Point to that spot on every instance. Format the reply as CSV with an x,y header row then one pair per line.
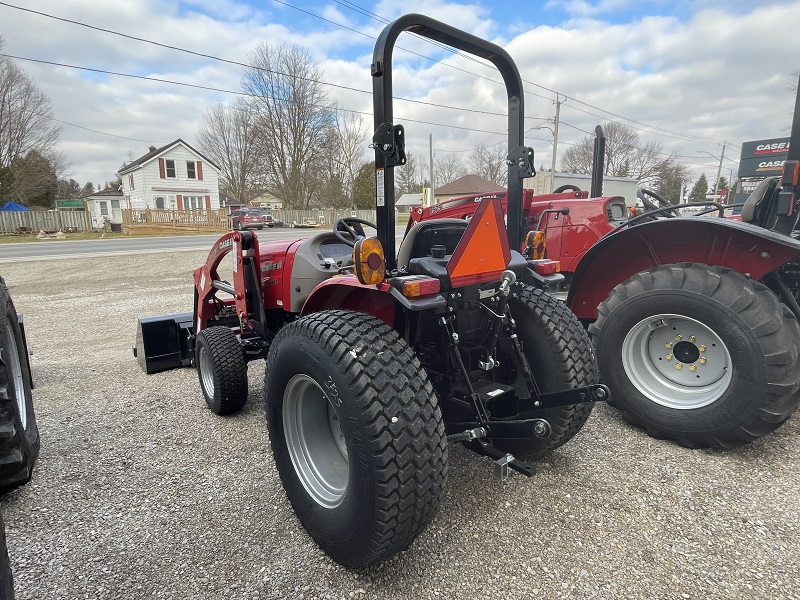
x,y
18,448
574,356
774,325
410,453
231,365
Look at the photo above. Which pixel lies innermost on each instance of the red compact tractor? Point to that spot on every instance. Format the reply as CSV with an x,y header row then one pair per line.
x,y
376,361
694,319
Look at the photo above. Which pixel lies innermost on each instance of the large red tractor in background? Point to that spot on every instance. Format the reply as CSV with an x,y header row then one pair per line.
x,y
694,319
376,360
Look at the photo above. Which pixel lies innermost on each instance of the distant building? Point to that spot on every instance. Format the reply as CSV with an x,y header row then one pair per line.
x,y
464,186
104,205
172,177
406,202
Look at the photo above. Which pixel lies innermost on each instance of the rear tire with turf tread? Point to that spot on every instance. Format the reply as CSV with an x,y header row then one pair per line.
x,y
560,355
367,482
753,332
222,369
19,433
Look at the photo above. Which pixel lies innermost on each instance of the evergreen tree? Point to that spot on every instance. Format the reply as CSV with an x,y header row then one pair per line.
x,y
699,190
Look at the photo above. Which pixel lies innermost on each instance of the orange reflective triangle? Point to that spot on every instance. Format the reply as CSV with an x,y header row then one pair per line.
x,y
483,251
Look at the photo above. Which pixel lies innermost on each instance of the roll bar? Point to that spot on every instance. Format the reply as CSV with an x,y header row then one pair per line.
x,y
389,141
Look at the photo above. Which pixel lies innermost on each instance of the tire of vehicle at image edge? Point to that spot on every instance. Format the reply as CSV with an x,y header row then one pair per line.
x,y
560,355
392,431
759,333
222,370
19,432
6,577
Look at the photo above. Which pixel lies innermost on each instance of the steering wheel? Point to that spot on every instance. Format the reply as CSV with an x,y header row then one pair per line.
x,y
661,204
567,187
349,229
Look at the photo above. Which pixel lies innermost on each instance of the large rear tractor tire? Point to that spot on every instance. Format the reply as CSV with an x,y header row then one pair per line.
x,y
357,434
222,369
698,354
19,433
560,355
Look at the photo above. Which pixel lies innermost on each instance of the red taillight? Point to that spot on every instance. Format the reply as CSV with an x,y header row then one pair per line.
x,y
545,266
420,286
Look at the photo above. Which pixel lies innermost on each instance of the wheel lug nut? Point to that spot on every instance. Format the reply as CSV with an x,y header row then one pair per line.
x,y
668,345
692,338
678,338
701,348
669,357
702,360
692,367
679,366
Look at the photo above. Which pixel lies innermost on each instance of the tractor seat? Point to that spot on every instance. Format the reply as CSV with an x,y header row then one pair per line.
x,y
424,235
757,206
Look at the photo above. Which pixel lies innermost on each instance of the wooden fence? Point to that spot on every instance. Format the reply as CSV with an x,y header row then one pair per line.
x,y
177,219
25,221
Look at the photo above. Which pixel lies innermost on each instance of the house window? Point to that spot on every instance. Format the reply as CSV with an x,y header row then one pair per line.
x,y
160,202
104,209
193,202
169,166
130,182
191,171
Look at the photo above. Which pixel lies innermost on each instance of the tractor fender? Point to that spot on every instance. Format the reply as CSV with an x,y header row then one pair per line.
x,y
347,293
748,249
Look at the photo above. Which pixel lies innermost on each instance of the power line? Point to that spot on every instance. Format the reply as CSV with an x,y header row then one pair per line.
x,y
649,128
122,137
248,66
645,126
224,91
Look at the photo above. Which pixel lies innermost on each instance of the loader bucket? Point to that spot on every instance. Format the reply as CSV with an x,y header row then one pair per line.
x,y
164,343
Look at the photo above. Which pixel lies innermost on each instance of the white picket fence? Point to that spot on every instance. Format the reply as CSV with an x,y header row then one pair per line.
x,y
24,221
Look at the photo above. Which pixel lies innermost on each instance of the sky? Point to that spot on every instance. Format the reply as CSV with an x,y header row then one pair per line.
x,y
697,76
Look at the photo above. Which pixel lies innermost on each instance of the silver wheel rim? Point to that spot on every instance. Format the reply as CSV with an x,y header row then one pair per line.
x,y
206,371
16,375
677,361
315,441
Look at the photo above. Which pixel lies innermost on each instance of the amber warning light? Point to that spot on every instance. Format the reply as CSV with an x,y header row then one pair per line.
x,y
546,266
420,286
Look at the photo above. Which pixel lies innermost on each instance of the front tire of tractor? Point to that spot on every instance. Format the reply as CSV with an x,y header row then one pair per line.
x,y
698,354
357,434
19,433
222,369
560,355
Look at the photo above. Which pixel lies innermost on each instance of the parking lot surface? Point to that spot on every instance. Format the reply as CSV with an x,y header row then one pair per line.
x,y
141,492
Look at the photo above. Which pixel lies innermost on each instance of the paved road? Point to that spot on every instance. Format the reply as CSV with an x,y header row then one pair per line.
x,y
53,249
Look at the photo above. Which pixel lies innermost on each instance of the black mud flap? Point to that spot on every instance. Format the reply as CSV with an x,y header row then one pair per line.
x,y
164,343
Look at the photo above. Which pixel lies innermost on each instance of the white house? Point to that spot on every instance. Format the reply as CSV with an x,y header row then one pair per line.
x,y
105,205
175,176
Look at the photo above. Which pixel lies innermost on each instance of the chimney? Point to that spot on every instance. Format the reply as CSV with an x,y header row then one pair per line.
x,y
152,148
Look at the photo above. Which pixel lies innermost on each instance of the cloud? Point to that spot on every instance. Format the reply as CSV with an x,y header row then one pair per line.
x,y
696,75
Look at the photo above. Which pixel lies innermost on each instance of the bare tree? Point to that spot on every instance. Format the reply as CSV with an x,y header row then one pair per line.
x,y
289,100
227,136
26,130
448,168
625,155
350,143
490,163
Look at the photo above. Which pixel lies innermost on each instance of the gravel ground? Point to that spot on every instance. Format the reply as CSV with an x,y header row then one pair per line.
x,y
141,492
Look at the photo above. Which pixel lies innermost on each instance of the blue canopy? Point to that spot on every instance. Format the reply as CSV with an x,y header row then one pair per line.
x,y
13,206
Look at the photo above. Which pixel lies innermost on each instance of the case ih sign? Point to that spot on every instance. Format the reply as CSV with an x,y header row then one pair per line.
x,y
759,159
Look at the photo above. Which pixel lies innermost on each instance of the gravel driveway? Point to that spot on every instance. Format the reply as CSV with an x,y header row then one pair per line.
x,y
141,492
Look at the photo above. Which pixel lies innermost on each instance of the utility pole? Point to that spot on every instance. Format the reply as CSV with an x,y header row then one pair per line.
x,y
719,170
432,198
555,136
